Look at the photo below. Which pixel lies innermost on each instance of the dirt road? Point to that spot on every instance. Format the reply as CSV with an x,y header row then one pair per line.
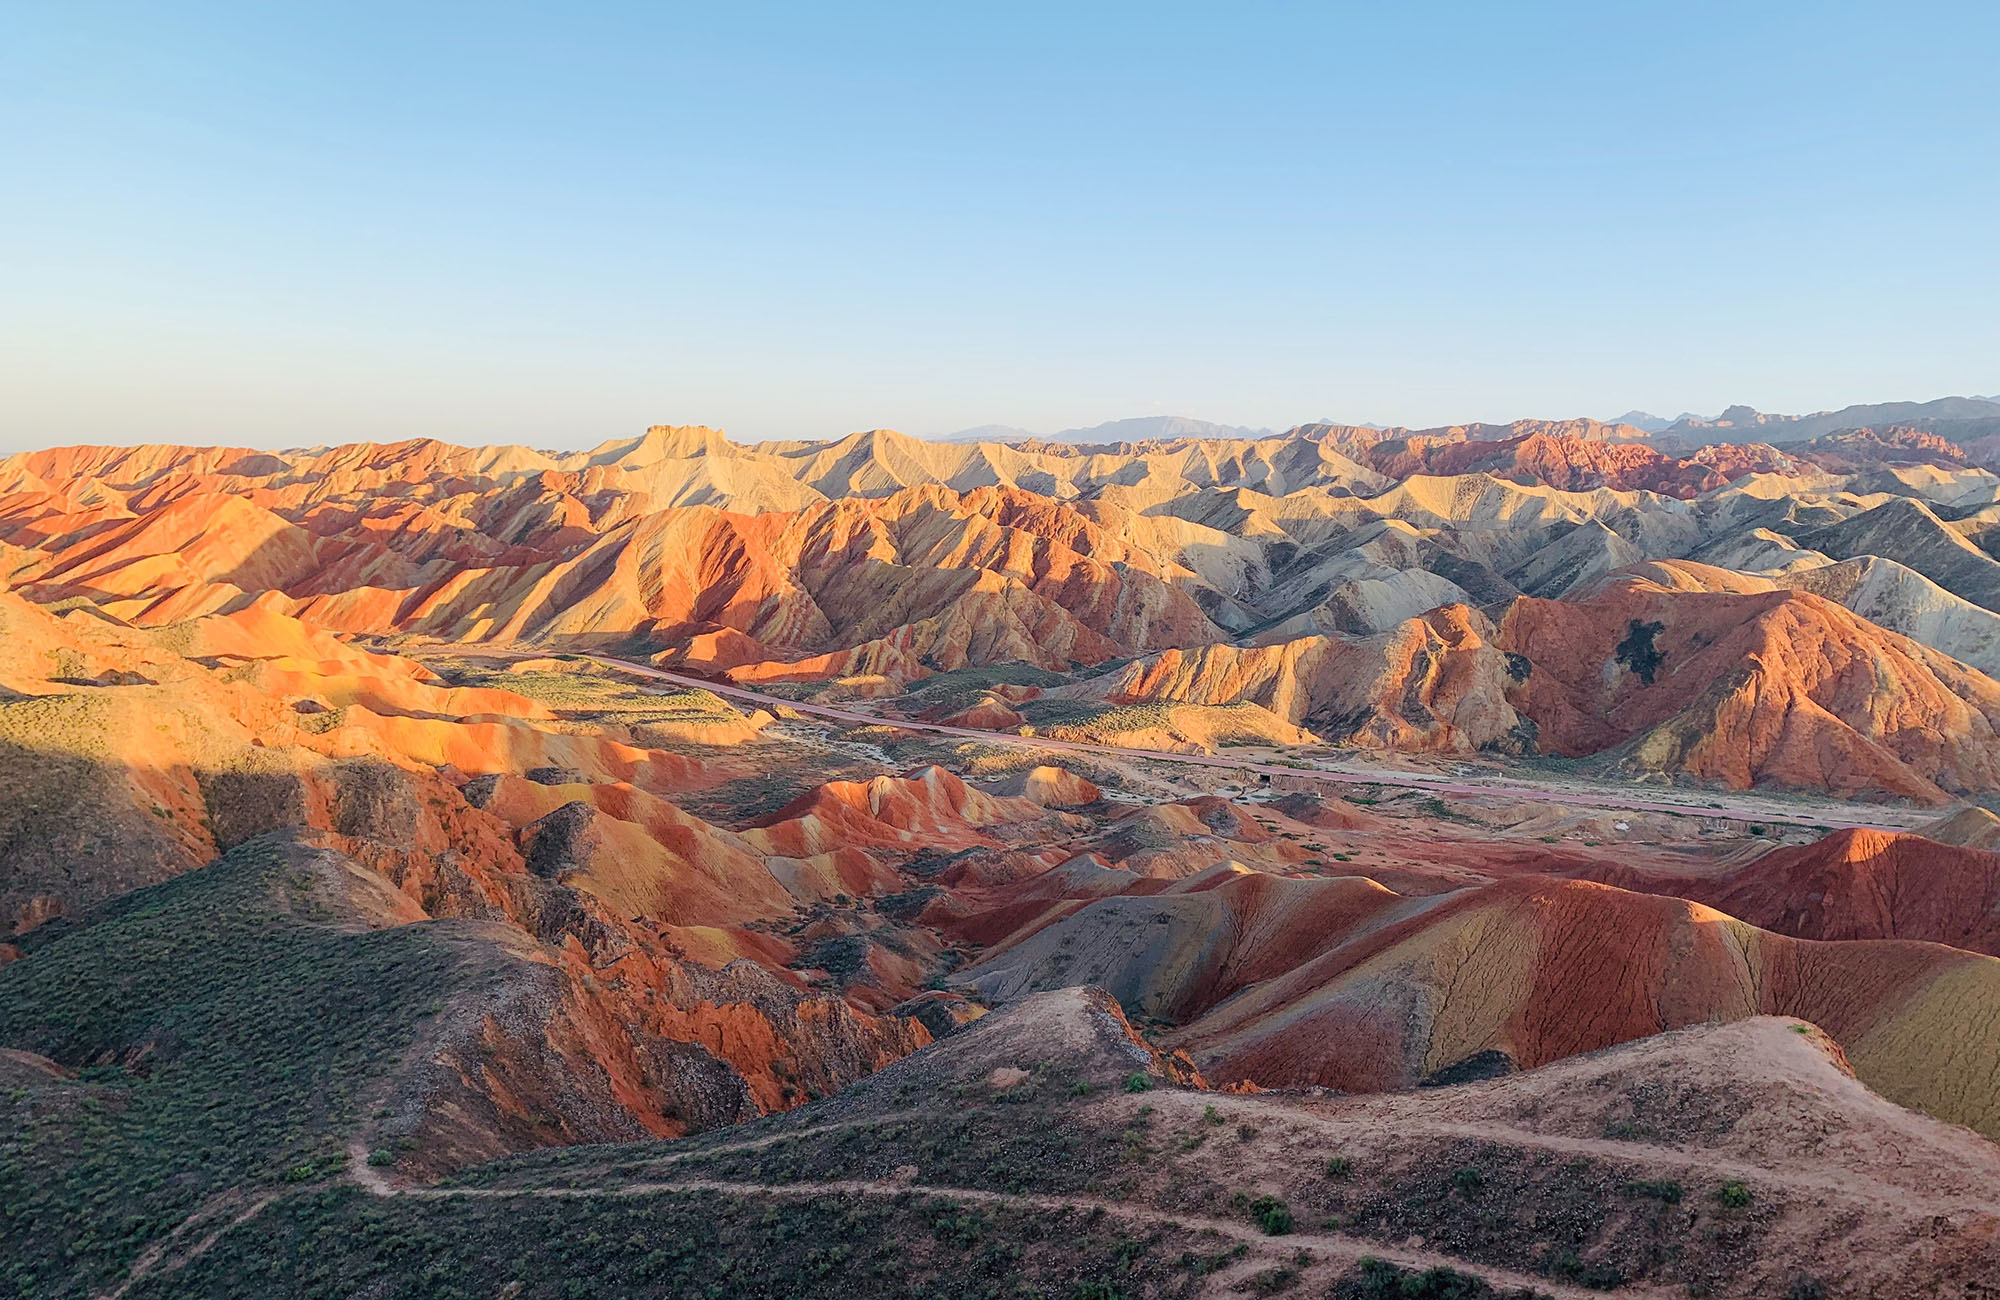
x,y
1329,1253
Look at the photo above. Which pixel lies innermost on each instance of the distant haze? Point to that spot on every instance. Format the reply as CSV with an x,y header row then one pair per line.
x,y
285,225
1738,423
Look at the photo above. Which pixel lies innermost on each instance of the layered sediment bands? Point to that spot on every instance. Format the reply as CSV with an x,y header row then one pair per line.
x,y
1536,970
711,915
1282,572
1858,884
927,576
641,999
1572,464
1339,982
1175,953
1780,688
1434,683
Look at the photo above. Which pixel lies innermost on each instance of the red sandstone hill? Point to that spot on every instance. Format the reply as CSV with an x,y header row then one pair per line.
x,y
1892,445
1571,464
684,918
1343,984
924,578
1211,566
1436,682
1855,884
1780,688
131,756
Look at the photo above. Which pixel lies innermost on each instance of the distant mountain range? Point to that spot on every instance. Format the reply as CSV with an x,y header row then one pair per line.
x,y
1933,417
1960,417
988,433
1137,429
1651,423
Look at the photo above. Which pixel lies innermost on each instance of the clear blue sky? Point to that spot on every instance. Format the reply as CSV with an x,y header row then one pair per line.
x,y
288,223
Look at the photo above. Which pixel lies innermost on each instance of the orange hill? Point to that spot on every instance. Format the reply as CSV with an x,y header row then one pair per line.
x,y
1342,984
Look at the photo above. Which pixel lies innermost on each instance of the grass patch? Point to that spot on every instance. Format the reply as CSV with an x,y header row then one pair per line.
x,y
224,1037
341,1242
961,687
1661,1189
1378,1279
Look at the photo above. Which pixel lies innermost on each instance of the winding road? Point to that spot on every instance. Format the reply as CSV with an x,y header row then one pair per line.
x,y
1831,815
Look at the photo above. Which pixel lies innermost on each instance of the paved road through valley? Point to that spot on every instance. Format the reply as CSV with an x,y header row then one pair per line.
x,y
1835,816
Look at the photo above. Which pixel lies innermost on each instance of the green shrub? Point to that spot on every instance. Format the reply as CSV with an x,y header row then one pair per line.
x,y
1339,1167
1138,1082
1380,1280
1663,1189
1572,1267
1271,1281
1272,1215
1733,1195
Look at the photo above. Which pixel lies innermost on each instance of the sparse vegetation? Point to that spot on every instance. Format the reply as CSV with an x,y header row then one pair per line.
x,y
226,1041
1378,1279
1734,1195
961,688
1272,1281
1664,1189
666,1247
842,956
1272,1215
1637,651
1201,1265
1572,1267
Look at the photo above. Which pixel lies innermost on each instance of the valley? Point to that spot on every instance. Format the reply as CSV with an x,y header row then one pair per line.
x,y
1467,778
1496,860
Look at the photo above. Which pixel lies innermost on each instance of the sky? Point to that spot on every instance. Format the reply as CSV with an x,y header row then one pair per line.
x,y
282,225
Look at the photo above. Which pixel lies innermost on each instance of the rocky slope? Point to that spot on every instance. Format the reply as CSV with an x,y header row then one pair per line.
x,y
1858,885
327,855
1343,984
138,756
1780,688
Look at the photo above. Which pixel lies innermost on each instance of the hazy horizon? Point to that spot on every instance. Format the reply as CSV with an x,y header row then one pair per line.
x,y
248,225
587,439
